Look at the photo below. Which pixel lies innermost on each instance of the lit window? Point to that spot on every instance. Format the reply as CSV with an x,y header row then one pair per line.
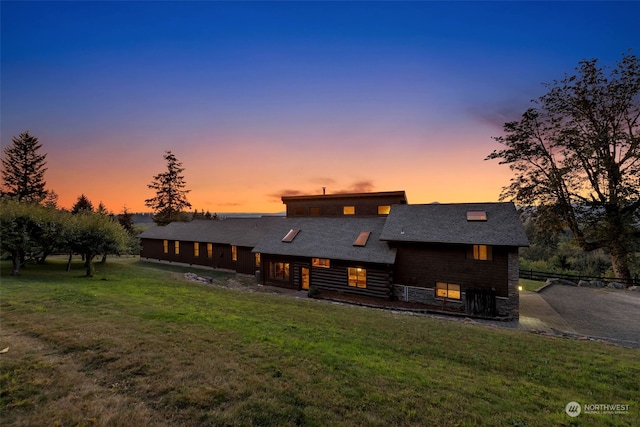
x,y
234,253
384,209
476,216
482,252
314,211
257,259
357,277
362,238
320,262
176,247
196,249
279,270
447,290
349,210
209,250
290,235
165,246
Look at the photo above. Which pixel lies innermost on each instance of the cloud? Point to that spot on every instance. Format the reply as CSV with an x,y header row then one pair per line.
x,y
365,186
285,193
497,115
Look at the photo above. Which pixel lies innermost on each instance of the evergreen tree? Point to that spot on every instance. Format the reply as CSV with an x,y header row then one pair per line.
x,y
23,169
82,205
171,196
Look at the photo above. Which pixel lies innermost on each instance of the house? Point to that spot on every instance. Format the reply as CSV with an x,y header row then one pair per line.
x,y
225,244
461,257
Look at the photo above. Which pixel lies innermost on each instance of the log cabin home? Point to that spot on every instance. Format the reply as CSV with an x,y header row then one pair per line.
x,y
457,257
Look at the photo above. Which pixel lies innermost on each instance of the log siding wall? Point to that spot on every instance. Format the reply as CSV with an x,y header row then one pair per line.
x,y
334,279
422,265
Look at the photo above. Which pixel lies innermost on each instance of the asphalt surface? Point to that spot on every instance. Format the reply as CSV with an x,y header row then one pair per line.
x,y
613,315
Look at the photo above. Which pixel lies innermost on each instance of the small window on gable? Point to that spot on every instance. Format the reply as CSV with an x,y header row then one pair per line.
x,y
290,235
384,209
349,210
362,238
476,216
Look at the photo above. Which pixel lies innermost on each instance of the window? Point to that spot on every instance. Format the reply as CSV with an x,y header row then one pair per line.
x,y
196,249
165,246
257,259
298,212
314,211
320,262
476,216
234,253
447,290
482,252
209,250
290,235
349,210
362,238
176,247
279,270
384,209
357,277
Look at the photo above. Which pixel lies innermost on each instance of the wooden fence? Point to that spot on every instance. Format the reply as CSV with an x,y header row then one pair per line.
x,y
542,275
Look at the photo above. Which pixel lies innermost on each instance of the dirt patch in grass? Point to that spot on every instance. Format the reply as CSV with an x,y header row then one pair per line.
x,y
49,385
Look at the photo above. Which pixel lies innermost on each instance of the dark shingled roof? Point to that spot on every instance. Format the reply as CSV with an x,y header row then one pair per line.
x,y
331,238
447,223
232,231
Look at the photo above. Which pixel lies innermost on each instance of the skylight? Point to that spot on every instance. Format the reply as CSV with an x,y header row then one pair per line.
x,y
290,235
476,216
362,238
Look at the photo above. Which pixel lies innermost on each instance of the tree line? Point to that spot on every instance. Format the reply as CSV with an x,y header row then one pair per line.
x,y
33,227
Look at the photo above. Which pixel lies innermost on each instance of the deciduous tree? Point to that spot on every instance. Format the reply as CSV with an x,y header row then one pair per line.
x,y
171,196
23,169
576,158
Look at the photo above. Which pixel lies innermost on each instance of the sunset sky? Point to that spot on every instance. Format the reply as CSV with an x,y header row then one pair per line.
x,y
260,100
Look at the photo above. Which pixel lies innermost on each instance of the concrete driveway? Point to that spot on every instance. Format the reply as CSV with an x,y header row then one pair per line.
x,y
613,315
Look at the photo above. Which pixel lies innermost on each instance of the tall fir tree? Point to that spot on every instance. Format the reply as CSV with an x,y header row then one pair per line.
x,y
23,169
82,205
171,196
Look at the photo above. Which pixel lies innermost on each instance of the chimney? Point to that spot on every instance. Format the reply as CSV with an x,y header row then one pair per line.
x,y
324,191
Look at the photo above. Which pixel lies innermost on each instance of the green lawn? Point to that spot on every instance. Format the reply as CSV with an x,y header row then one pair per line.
x,y
531,285
138,345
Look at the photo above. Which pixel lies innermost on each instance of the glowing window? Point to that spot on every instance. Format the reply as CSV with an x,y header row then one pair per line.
x,y
290,235
165,246
476,216
209,250
196,249
176,247
349,210
321,262
279,270
384,209
447,290
357,277
257,259
234,253
482,252
362,238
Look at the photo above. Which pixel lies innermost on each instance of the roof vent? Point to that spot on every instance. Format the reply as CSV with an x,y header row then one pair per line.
x,y
290,235
476,216
362,238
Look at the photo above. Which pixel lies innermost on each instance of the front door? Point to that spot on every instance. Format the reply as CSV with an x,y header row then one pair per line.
x,y
304,277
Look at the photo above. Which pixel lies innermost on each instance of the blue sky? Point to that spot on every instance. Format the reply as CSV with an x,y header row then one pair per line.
x,y
267,98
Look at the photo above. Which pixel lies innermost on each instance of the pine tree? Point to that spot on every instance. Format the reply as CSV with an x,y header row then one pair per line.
x,y
171,197
82,205
23,169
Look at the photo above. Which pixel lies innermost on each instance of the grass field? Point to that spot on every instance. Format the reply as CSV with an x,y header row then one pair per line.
x,y
137,345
